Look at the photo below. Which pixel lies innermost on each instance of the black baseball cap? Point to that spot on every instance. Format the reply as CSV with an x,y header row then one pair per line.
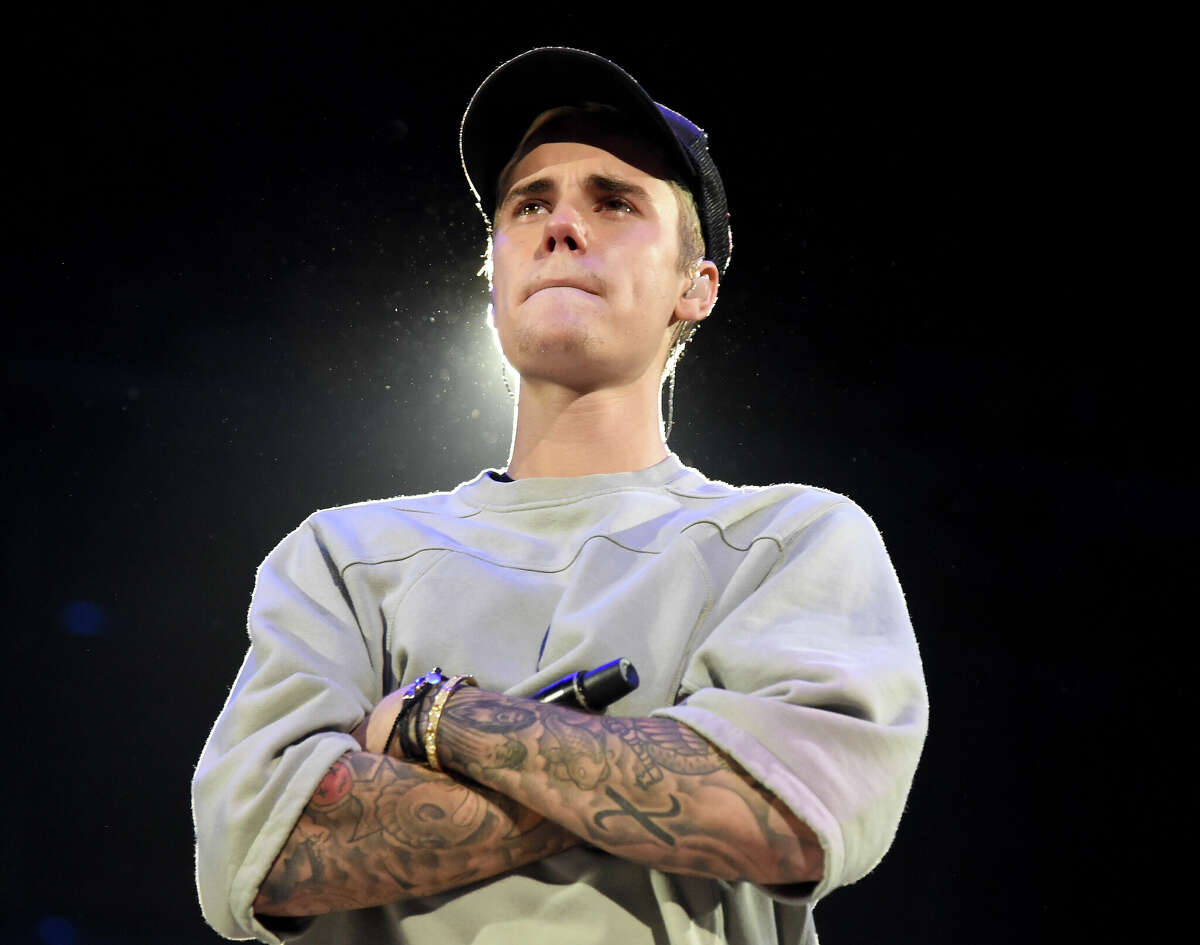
x,y
505,105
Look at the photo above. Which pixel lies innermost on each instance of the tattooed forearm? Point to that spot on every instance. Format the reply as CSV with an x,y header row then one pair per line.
x,y
645,818
377,830
573,750
650,790
661,743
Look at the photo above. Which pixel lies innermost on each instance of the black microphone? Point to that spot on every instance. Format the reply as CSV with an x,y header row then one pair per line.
x,y
593,690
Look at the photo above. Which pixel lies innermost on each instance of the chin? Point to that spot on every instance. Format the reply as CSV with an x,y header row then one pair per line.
x,y
562,334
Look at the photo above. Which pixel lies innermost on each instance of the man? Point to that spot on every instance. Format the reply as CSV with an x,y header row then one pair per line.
x,y
767,753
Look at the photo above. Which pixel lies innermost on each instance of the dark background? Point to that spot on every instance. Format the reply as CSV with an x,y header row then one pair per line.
x,y
244,289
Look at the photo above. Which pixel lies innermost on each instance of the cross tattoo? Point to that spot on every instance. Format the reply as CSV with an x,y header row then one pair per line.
x,y
642,817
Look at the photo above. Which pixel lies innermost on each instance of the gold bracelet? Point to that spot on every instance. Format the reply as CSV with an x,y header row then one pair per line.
x,y
435,715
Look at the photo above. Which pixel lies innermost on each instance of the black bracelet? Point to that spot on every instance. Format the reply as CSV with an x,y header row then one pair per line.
x,y
395,729
410,746
411,696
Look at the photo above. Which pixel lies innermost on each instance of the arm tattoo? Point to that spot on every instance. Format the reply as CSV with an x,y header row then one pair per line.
x,y
651,789
642,817
377,830
574,751
335,787
491,715
511,754
430,815
663,743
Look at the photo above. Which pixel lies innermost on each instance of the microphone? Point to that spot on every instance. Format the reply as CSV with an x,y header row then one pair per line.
x,y
593,690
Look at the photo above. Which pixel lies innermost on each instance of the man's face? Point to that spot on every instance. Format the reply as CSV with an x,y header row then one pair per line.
x,y
585,263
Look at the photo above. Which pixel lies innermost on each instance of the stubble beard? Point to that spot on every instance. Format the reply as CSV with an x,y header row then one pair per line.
x,y
541,341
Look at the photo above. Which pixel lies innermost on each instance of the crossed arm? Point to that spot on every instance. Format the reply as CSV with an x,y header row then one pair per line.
x,y
526,781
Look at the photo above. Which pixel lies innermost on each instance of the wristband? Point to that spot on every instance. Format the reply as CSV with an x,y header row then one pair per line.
x,y
435,716
409,698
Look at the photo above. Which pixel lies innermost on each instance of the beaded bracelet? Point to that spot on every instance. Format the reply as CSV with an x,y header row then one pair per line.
x,y
435,715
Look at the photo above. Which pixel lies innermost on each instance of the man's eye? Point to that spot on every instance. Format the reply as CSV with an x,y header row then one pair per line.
x,y
528,208
616,203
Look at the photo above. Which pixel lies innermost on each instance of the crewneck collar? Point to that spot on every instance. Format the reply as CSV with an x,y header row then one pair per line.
x,y
486,492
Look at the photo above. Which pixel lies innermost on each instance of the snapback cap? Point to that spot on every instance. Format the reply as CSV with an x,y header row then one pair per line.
x,y
508,100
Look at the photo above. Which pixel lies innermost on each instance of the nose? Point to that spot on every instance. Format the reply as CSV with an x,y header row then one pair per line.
x,y
564,231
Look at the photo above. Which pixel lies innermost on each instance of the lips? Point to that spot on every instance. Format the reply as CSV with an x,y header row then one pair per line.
x,y
585,283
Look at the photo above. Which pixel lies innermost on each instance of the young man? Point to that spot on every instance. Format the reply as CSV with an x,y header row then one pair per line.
x,y
766,755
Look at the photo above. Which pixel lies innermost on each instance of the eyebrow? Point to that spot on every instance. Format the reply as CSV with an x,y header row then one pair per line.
x,y
618,186
598,183
540,186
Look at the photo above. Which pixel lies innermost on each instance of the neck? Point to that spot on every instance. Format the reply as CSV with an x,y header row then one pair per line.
x,y
561,432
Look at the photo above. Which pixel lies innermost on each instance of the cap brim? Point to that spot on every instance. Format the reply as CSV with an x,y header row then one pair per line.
x,y
508,101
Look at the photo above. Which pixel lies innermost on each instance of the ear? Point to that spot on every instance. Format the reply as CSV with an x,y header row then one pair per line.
x,y
697,298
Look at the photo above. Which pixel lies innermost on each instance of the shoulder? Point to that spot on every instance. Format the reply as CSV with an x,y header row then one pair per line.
x,y
782,511
368,530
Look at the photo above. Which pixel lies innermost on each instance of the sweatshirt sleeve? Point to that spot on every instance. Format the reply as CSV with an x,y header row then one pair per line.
x,y
306,682
813,684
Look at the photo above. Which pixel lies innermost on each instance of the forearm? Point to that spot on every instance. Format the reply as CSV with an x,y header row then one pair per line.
x,y
378,830
648,790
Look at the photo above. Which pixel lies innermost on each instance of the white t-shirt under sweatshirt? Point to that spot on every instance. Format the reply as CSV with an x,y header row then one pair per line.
x,y
768,619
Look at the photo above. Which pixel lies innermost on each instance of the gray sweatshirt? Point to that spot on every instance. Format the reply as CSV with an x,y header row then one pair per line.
x,y
768,619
